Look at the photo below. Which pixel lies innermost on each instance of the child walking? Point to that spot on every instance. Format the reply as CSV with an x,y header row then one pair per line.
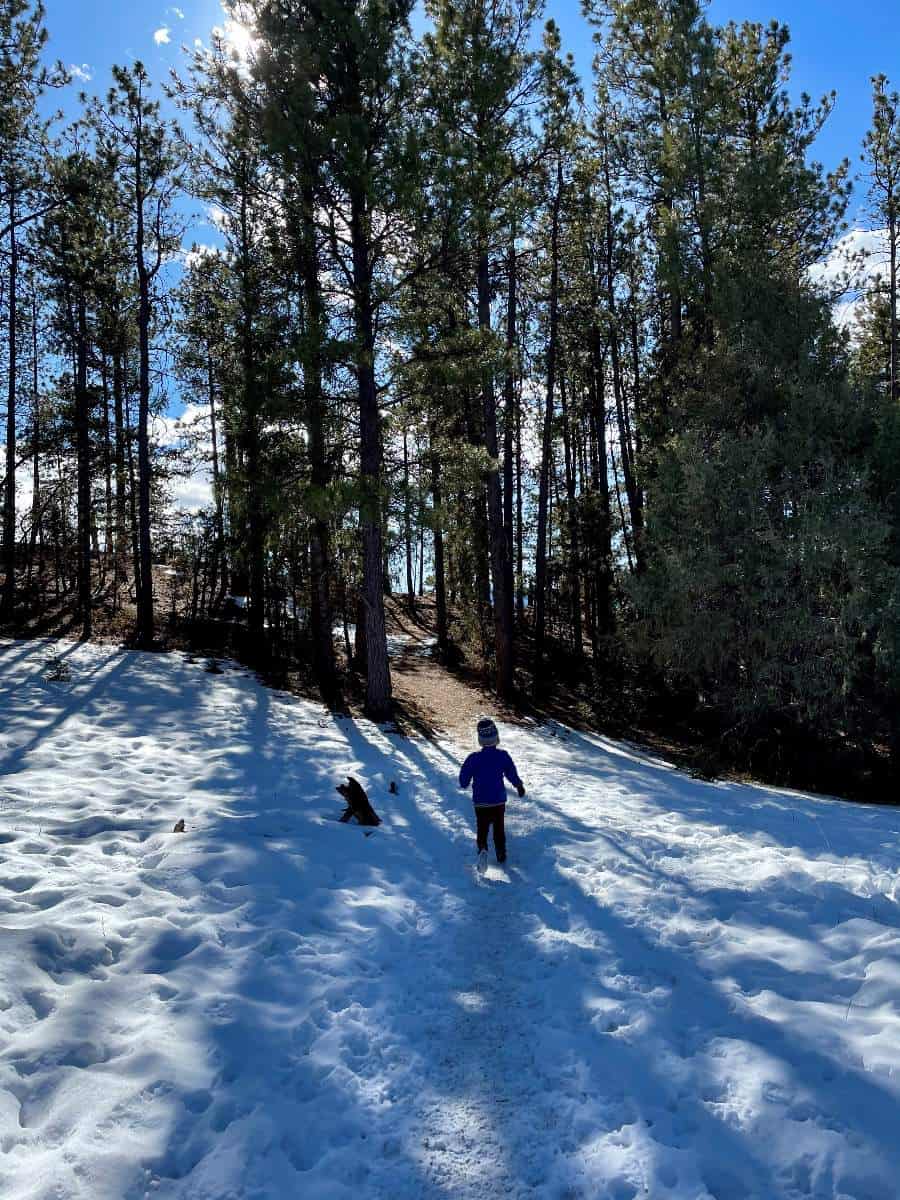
x,y
487,770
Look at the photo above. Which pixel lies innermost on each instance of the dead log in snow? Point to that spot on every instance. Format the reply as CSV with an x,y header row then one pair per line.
x,y
357,803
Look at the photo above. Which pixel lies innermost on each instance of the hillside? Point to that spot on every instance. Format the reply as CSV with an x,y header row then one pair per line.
x,y
676,989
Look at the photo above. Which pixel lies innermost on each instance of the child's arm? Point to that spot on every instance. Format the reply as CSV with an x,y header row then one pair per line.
x,y
509,770
466,772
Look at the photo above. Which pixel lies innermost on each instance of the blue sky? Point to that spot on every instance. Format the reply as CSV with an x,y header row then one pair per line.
x,y
835,44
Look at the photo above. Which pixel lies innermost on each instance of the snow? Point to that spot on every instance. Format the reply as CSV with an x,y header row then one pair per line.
x,y
675,989
398,644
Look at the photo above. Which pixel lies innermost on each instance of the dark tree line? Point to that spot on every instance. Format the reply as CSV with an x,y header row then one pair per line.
x,y
549,350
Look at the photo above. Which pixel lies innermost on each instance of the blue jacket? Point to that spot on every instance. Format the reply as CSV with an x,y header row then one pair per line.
x,y
486,770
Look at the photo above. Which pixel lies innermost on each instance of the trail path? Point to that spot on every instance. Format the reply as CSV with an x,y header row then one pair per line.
x,y
432,700
677,990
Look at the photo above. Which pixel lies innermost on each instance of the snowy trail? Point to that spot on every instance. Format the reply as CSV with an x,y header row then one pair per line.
x,y
676,990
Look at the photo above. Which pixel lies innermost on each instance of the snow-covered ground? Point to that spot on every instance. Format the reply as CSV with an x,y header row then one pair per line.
x,y
397,643
676,990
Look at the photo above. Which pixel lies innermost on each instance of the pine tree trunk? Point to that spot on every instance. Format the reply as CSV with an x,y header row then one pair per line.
x,y
378,674
229,486
502,613
421,490
250,439
83,453
440,587
893,235
520,534
509,421
321,616
9,497
217,565
37,535
540,572
133,506
145,617
477,550
107,470
602,577
626,446
120,472
407,527
574,564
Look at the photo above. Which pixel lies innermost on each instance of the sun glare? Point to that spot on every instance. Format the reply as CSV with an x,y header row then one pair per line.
x,y
235,33
239,38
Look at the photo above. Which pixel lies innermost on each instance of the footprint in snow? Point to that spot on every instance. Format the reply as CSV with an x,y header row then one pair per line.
x,y
19,883
39,1003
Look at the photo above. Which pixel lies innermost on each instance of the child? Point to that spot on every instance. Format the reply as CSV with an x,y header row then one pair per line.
x,y
486,769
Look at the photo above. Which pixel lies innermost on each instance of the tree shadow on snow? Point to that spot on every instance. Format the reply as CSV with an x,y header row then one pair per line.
x,y
358,1016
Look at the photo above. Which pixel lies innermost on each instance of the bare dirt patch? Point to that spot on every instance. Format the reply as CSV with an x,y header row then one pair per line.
x,y
429,697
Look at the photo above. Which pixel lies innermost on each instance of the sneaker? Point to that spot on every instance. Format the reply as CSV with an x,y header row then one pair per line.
x,y
481,865
501,861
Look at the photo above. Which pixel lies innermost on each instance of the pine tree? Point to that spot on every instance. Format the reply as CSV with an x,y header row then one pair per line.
x,y
23,151
559,99
146,152
481,90
881,153
208,370
294,125
761,527
371,170
75,250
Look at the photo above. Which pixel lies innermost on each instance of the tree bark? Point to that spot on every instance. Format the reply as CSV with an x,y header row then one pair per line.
x,y
626,447
217,565
407,527
440,586
502,612
540,572
893,236
37,536
574,564
9,499
509,421
321,615
378,673
600,482
133,506
520,531
250,421
144,584
83,454
107,470
121,434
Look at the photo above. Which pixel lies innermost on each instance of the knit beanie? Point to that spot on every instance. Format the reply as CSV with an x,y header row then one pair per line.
x,y
487,732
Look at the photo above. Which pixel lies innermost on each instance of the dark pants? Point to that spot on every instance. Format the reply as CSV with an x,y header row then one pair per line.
x,y
485,817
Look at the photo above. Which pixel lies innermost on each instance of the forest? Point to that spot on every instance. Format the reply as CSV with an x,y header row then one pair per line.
x,y
554,356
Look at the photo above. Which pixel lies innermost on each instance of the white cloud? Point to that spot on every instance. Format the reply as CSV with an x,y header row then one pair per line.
x,y
198,252
217,216
193,491
81,71
859,254
177,13
170,429
849,271
162,36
